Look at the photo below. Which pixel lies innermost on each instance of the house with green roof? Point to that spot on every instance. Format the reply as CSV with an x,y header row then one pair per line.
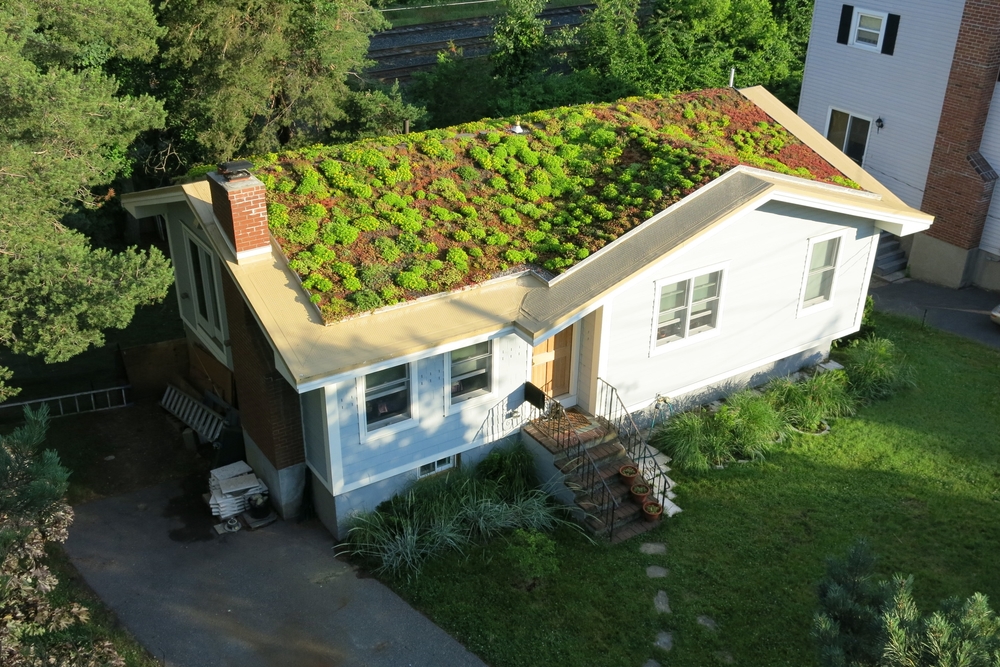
x,y
393,308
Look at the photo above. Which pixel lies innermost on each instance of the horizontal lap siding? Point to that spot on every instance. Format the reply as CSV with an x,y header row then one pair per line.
x,y
766,251
435,433
906,89
990,149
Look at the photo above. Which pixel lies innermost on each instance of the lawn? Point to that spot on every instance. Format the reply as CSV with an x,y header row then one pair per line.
x,y
919,475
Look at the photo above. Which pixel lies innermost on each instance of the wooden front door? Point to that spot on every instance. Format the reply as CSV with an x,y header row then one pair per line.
x,y
551,363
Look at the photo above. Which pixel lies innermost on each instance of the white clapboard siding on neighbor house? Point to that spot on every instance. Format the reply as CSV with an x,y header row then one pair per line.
x,y
437,434
990,148
765,254
905,89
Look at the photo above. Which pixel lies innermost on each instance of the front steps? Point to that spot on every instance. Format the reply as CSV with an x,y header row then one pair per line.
x,y
890,260
592,502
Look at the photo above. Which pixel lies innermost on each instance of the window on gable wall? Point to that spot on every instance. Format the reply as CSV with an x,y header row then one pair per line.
x,y
821,272
849,134
868,29
471,371
203,284
387,396
688,307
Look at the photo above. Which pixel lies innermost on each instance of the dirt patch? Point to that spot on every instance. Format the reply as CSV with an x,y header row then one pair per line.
x,y
113,452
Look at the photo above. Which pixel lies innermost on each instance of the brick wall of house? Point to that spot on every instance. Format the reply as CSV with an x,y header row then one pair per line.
x,y
956,194
269,407
241,207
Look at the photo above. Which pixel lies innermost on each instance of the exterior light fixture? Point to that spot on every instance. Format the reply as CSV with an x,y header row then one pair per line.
x,y
879,124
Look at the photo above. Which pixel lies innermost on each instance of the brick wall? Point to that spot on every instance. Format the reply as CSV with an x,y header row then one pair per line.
x,y
956,194
241,208
269,407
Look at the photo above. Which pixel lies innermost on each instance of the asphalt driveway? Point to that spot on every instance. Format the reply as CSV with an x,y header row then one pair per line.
x,y
268,598
965,311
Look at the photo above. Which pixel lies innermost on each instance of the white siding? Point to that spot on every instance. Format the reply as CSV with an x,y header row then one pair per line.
x,y
990,148
435,435
906,89
766,254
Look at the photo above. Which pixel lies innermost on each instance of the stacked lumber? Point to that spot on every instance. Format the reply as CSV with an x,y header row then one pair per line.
x,y
230,486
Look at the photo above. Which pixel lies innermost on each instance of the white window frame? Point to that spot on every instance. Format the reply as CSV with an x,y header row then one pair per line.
x,y
855,23
439,467
216,334
396,427
655,349
837,267
851,115
450,405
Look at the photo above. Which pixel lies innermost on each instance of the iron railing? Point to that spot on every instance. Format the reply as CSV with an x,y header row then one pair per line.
x,y
552,421
612,411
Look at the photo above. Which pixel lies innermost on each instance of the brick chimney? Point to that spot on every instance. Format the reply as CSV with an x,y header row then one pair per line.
x,y
239,204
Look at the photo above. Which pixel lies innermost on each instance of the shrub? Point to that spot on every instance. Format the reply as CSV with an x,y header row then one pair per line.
x,y
317,211
806,404
756,424
277,216
318,282
411,281
375,276
311,184
467,173
685,439
532,556
367,223
461,235
459,258
876,369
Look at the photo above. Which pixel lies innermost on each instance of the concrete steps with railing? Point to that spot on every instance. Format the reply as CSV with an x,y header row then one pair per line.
x,y
594,498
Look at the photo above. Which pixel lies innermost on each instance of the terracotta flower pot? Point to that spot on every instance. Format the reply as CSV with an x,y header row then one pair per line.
x,y
628,474
652,511
639,493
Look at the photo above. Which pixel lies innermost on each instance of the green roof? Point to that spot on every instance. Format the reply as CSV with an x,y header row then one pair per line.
x,y
385,220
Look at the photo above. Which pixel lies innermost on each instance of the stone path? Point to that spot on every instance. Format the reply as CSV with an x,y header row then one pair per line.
x,y
665,638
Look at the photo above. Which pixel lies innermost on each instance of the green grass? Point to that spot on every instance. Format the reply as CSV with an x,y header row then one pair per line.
x,y
918,475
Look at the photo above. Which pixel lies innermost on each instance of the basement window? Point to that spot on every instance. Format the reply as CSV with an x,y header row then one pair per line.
x,y
437,466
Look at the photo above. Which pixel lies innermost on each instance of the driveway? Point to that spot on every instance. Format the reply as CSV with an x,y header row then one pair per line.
x,y
268,598
965,311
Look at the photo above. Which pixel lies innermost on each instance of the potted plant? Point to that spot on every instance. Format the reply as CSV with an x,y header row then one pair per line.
x,y
652,511
257,506
628,474
639,492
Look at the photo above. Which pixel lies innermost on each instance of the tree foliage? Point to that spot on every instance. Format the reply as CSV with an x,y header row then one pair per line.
x,y
865,621
247,77
65,131
518,38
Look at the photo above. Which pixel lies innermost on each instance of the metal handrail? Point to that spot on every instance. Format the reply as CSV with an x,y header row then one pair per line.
x,y
617,416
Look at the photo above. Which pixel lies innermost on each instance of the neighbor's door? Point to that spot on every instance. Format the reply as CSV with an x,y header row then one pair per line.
x,y
551,363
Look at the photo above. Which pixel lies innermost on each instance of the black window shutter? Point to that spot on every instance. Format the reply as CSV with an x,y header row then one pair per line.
x,y
846,19
889,40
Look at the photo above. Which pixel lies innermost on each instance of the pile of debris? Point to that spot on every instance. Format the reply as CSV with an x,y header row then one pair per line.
x,y
230,487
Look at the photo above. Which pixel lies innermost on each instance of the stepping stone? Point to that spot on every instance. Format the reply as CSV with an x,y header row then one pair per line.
x,y
664,640
708,622
653,548
662,603
725,656
656,572
650,663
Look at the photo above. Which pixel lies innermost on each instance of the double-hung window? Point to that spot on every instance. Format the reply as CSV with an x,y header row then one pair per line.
x,y
203,285
849,134
471,371
387,397
686,308
868,29
821,272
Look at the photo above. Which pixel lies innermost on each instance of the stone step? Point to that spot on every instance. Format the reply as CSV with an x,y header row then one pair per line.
x,y
887,244
894,277
893,256
607,471
885,268
598,454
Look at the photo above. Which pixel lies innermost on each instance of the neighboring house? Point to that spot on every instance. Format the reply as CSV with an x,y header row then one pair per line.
x,y
742,275
907,88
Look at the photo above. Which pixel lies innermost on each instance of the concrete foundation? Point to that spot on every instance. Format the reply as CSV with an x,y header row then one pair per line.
x,y
941,263
986,271
286,486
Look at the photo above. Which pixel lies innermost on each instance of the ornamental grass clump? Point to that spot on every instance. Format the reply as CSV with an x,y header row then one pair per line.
x,y
746,427
808,404
448,511
876,369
